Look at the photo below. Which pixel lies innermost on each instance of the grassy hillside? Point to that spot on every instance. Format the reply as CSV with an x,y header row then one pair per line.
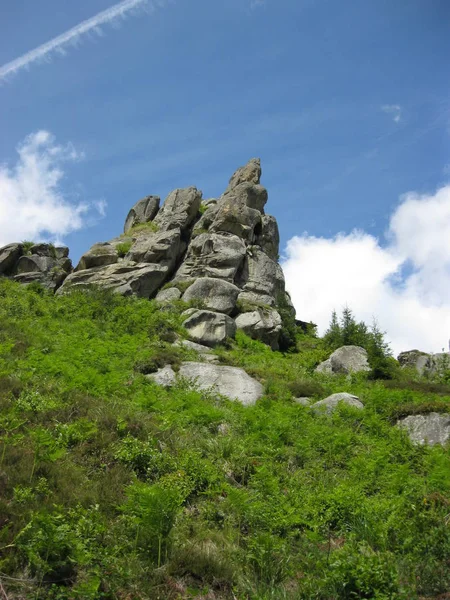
x,y
112,487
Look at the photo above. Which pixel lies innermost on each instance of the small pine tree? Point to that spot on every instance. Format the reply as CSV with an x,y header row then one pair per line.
x,y
333,335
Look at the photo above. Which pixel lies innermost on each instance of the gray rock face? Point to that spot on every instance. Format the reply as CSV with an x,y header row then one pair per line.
x,y
330,404
231,382
262,279
143,211
9,255
169,295
179,209
261,324
269,239
125,278
210,328
433,428
249,173
216,294
424,363
234,216
162,247
347,359
99,255
212,255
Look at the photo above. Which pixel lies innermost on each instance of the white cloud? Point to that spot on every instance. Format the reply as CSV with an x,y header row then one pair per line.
x,y
33,205
393,109
256,3
70,37
404,284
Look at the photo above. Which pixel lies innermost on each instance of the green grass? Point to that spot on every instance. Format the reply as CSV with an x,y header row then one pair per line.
x,y
115,488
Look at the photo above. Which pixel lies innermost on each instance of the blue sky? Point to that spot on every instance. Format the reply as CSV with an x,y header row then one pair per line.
x,y
346,102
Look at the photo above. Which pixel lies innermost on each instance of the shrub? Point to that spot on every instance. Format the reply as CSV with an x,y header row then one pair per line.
x,y
123,248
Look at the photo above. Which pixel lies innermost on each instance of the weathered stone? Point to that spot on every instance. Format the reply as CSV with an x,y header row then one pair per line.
x,y
55,252
125,278
331,403
347,359
249,173
261,324
432,428
51,280
61,252
414,359
162,247
234,216
9,255
169,295
179,209
194,346
231,382
99,255
261,278
303,401
143,211
210,328
165,376
205,221
269,239
247,194
34,263
216,294
212,255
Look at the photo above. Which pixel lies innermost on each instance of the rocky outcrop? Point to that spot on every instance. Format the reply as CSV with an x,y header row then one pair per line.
x,y
41,263
432,428
231,382
219,254
330,404
423,363
347,359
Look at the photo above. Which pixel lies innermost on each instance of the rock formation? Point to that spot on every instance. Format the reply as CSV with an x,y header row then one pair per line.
x,y
423,363
347,359
26,263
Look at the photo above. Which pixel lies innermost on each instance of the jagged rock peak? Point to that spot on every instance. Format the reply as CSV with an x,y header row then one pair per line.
x,y
249,173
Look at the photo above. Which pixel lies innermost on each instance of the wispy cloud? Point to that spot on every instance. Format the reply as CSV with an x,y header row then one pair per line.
x,y
34,203
257,4
59,43
395,110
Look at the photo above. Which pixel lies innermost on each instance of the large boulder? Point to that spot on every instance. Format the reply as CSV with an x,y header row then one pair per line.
x,y
44,264
143,211
423,363
234,216
432,428
99,255
168,295
231,382
9,255
347,359
126,278
179,209
212,255
209,328
249,173
216,294
261,324
330,404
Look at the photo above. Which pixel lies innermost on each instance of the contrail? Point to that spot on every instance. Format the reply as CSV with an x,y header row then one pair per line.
x,y
58,43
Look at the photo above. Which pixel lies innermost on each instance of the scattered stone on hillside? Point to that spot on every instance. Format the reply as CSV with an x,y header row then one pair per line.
x,y
432,428
209,328
200,348
231,382
261,324
98,255
179,209
414,359
331,403
9,255
216,294
347,359
162,247
303,401
168,295
212,255
143,211
124,278
424,363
